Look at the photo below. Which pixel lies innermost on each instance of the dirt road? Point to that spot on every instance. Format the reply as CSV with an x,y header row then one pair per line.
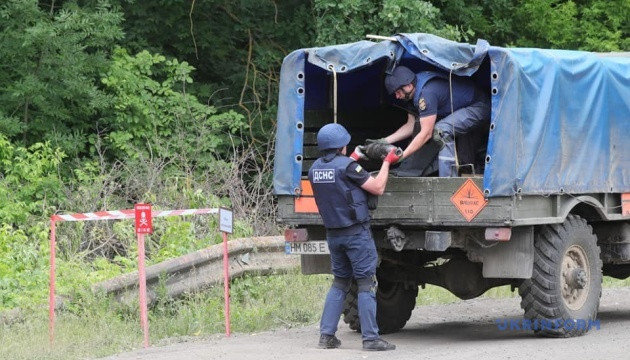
x,y
465,330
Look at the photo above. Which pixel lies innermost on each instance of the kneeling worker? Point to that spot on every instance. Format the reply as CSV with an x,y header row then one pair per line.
x,y
455,107
341,187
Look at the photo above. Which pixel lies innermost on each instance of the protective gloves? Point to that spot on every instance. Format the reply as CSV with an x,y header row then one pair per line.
x,y
376,141
358,153
394,155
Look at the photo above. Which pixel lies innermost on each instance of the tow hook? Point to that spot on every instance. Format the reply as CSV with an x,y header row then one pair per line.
x,y
396,238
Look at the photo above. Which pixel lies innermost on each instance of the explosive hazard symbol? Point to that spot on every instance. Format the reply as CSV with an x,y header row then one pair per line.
x,y
469,200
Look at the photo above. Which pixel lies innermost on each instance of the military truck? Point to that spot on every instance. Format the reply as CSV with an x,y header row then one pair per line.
x,y
549,214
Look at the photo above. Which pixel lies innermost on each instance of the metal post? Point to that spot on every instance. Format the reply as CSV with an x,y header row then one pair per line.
x,y
226,281
142,279
51,298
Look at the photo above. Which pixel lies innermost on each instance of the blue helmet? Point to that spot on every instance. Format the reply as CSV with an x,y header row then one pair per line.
x,y
400,77
332,136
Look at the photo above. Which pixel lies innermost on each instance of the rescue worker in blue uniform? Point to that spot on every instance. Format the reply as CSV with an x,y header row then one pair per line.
x,y
341,187
464,116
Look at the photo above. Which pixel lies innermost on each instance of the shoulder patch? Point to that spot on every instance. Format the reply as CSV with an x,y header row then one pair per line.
x,y
422,105
358,169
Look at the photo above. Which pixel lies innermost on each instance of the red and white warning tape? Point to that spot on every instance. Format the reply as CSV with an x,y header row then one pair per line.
x,y
128,214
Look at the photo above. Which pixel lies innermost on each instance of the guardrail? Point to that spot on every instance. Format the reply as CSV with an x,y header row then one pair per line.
x,y
143,215
204,268
192,272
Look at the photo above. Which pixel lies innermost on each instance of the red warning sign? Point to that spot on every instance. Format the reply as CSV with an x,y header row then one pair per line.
x,y
469,200
144,224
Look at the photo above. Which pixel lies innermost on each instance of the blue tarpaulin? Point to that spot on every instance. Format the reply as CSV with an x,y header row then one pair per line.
x,y
559,118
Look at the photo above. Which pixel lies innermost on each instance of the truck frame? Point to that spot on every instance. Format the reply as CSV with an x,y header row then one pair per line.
x,y
547,216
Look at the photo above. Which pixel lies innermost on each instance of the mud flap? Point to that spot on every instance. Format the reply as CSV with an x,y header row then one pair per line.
x,y
315,264
513,258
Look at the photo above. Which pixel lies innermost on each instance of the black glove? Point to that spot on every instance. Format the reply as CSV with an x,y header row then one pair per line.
x,y
376,141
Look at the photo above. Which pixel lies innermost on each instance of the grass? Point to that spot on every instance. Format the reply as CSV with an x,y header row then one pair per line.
x,y
96,327
436,295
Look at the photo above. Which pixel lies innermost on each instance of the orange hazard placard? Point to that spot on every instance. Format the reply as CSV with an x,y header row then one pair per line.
x,y
306,202
625,204
469,200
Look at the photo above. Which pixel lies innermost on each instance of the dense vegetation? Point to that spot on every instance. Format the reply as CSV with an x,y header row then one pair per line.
x,y
110,102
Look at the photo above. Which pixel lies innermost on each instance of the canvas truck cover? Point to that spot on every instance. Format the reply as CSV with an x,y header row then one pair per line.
x,y
560,119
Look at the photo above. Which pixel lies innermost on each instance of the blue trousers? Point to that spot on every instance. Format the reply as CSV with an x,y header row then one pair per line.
x,y
469,125
352,256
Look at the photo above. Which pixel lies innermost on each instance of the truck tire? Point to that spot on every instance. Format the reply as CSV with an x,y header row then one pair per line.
x,y
394,304
566,282
351,308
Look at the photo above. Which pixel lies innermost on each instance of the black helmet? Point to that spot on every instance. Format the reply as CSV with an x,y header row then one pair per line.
x,y
400,77
332,136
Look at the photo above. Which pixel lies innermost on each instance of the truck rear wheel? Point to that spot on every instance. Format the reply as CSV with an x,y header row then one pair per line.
x,y
562,297
394,304
351,308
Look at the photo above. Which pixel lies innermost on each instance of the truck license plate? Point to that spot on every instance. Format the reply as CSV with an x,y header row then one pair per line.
x,y
306,247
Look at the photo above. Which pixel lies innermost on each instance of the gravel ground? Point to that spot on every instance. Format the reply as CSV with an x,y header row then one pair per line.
x,y
464,330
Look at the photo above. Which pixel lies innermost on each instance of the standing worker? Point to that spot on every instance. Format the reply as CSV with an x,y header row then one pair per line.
x,y
341,187
454,107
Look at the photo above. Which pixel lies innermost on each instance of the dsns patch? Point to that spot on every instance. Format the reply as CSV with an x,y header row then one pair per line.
x,y
321,176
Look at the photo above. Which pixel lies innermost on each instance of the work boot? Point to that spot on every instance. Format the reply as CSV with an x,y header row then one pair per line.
x,y
377,345
328,342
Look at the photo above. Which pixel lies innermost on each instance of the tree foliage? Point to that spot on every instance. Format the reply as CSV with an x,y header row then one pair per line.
x,y
236,47
51,59
349,21
153,112
586,25
593,25
55,54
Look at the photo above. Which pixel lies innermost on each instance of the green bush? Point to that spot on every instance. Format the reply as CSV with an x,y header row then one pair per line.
x,y
29,182
24,266
152,113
